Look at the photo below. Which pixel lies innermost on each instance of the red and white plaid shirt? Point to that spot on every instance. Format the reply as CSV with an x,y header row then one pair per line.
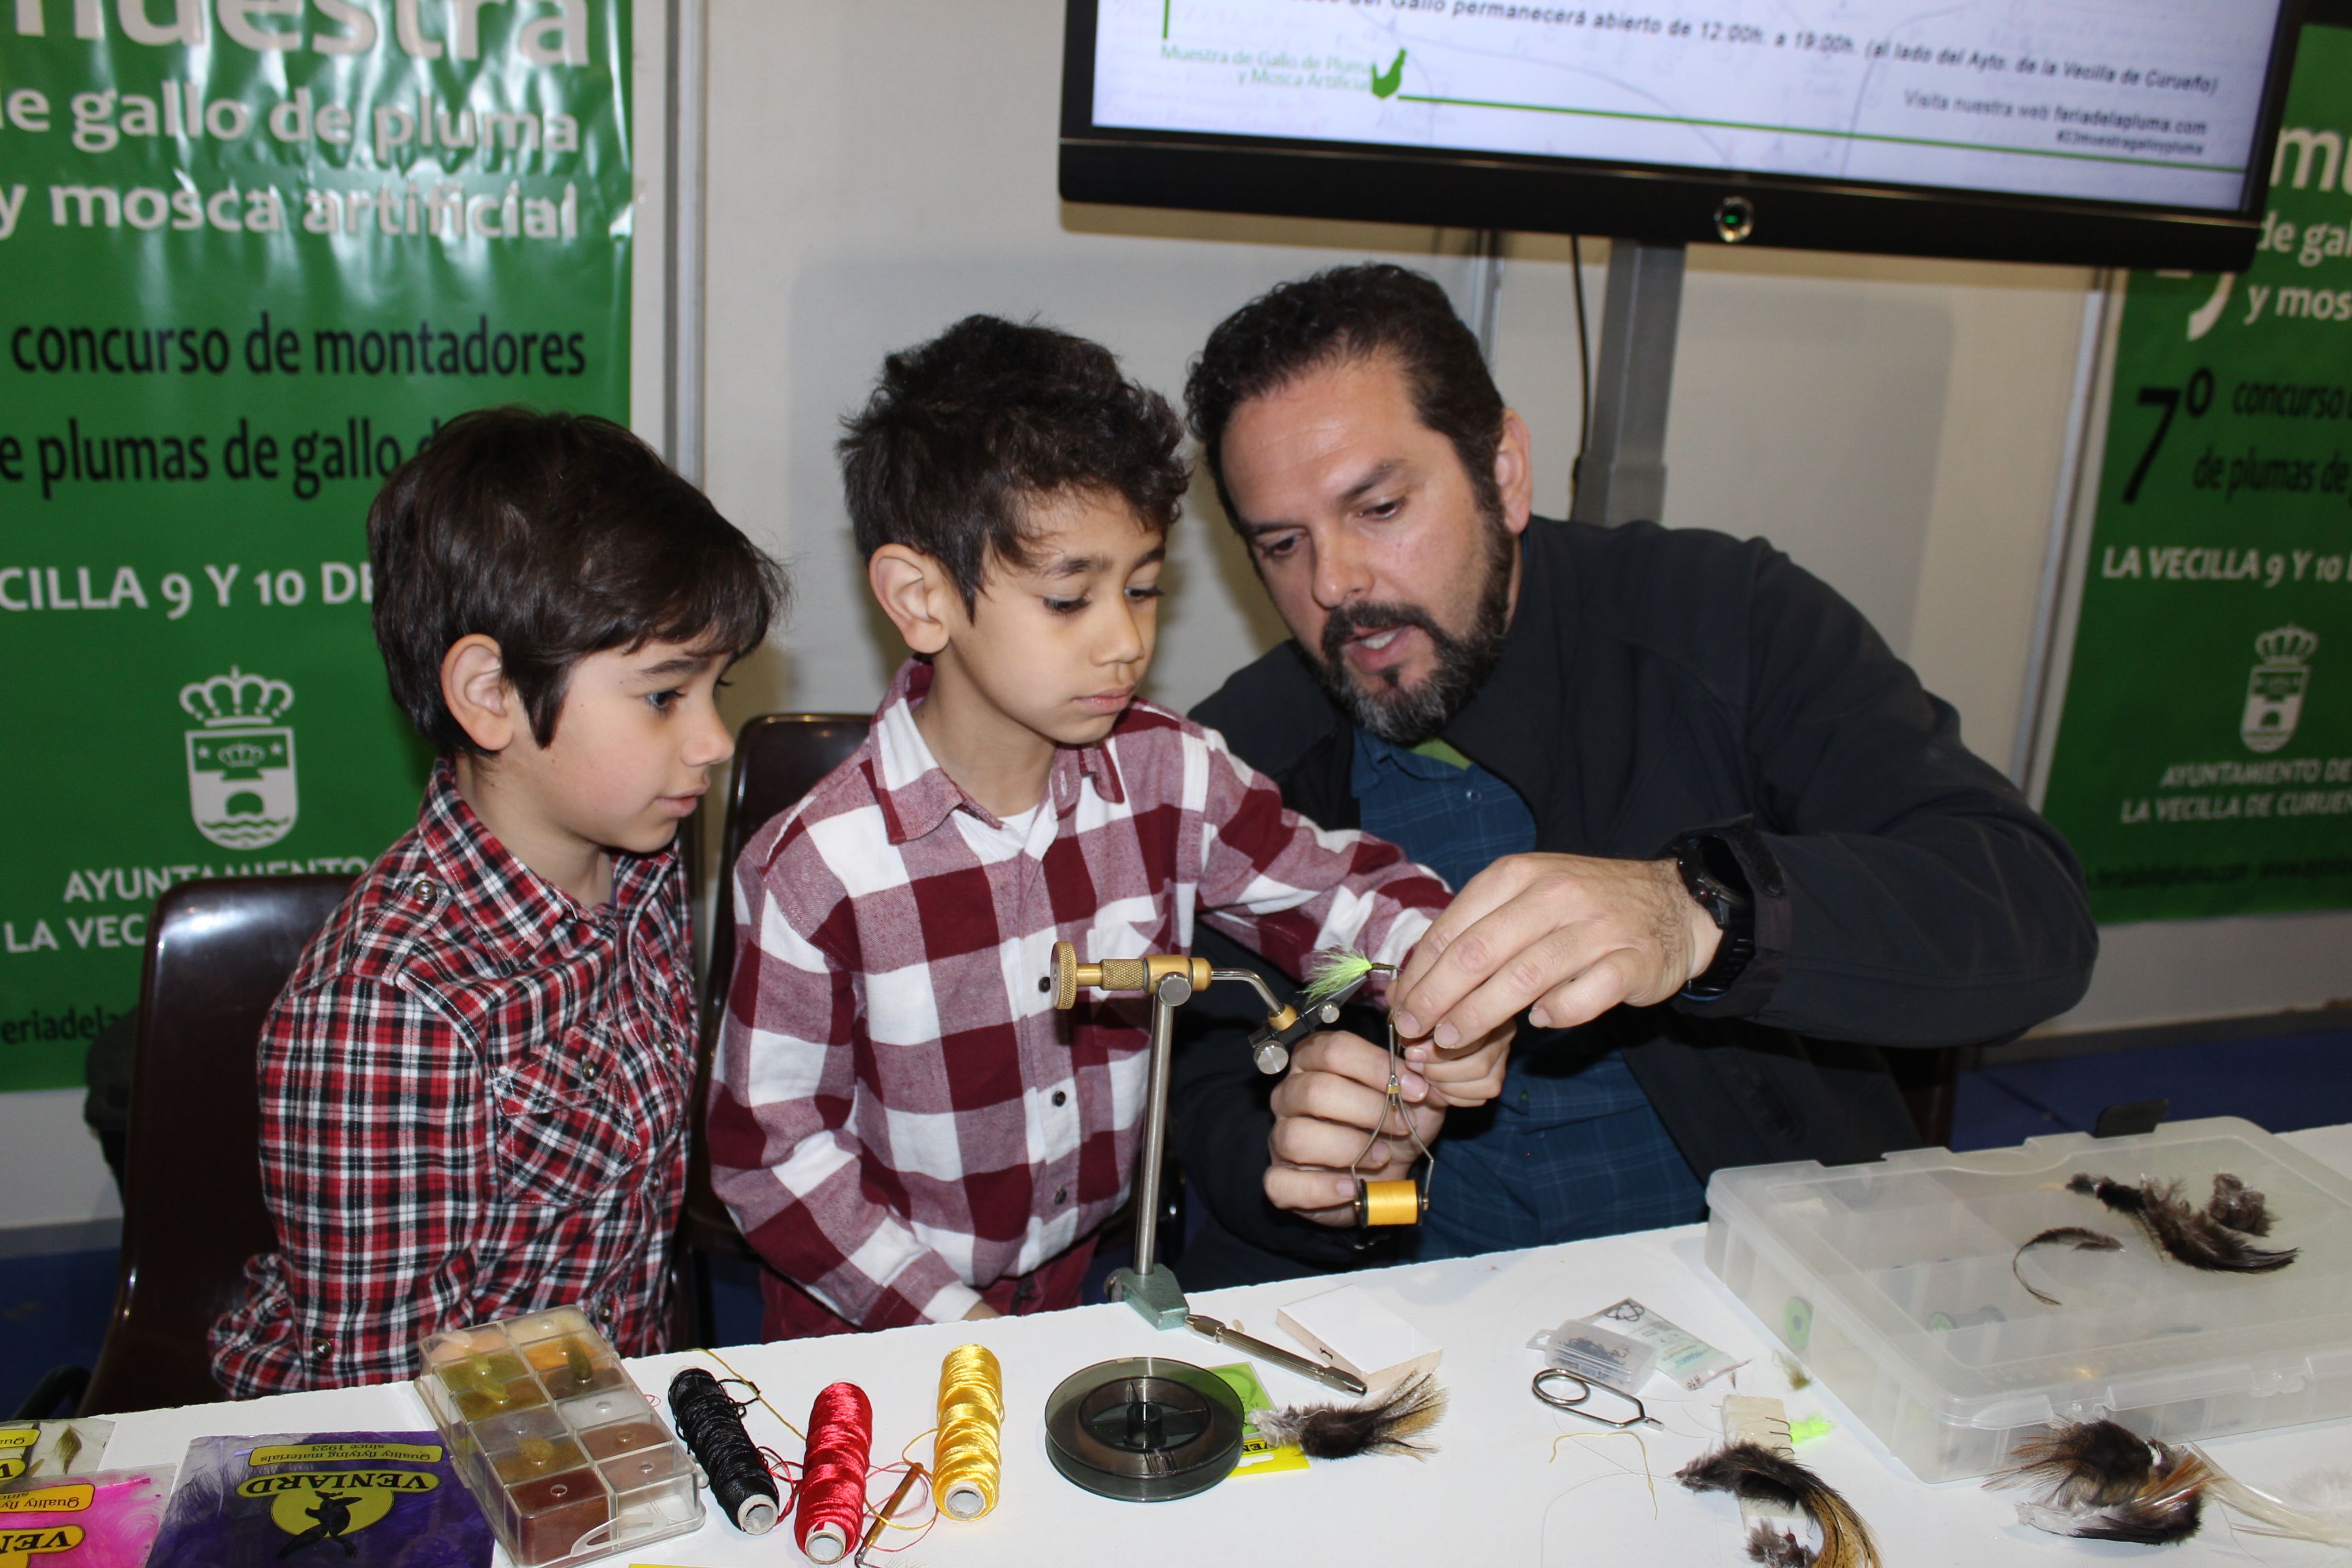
x,y
898,1114
473,1106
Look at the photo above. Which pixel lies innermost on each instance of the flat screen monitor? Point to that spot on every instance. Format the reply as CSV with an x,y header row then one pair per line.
x,y
2132,133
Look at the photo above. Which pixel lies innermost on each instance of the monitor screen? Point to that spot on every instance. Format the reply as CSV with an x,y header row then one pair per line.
x,y
2151,109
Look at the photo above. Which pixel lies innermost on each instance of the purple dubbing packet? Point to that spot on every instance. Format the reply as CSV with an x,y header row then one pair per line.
x,y
352,1499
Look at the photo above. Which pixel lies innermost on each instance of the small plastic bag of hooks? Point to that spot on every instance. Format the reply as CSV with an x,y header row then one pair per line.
x,y
1681,1355
1597,1354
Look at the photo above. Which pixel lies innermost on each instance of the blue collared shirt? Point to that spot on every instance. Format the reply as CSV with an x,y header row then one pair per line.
x,y
1571,1147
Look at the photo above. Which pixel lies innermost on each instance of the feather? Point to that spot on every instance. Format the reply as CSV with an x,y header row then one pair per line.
x,y
1331,970
2081,1238
1388,1424
2312,1514
1778,1548
2238,1206
2099,1480
1753,1473
2198,1239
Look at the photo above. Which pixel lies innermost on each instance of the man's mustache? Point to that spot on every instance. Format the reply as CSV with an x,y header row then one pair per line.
x,y
1352,620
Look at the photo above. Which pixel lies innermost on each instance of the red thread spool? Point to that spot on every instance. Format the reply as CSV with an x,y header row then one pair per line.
x,y
832,1494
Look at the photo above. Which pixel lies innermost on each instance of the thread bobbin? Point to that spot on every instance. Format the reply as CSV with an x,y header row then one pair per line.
x,y
1390,1202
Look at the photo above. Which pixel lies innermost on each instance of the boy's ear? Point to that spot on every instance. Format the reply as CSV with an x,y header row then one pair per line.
x,y
915,592
474,684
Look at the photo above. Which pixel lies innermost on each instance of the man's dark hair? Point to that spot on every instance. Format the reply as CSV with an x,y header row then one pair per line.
x,y
1344,314
557,536
964,432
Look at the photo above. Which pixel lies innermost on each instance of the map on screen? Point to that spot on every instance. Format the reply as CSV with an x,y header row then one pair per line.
x,y
2153,101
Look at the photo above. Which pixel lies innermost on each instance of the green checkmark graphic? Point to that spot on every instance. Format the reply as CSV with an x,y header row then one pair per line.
x,y
1385,83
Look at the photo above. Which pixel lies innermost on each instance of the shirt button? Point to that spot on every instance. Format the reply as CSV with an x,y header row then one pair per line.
x,y
1061,1195
1061,1097
424,890
605,1312
322,1350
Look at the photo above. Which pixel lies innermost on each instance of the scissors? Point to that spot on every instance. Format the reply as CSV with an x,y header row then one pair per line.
x,y
1545,1389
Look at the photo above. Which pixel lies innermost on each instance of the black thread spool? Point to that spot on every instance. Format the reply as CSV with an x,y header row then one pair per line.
x,y
711,1423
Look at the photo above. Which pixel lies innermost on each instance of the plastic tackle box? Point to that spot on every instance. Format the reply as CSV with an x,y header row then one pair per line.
x,y
555,1440
1892,1283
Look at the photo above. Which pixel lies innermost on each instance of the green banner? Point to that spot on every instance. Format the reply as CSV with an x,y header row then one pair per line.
x,y
2204,757
252,252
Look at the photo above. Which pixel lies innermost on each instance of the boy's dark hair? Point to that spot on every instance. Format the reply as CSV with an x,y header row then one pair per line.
x,y
1343,314
963,431
558,535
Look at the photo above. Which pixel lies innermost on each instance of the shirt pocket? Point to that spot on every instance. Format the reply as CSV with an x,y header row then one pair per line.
x,y
560,1140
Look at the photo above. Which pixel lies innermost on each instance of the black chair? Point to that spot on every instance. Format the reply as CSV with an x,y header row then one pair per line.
x,y
779,757
217,954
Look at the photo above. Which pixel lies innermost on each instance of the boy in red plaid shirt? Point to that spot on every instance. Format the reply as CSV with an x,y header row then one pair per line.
x,y
900,1121
473,1088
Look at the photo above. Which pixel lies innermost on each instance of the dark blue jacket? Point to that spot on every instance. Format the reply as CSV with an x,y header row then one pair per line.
x,y
1655,681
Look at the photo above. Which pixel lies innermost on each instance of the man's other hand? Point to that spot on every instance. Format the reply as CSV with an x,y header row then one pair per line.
x,y
1567,936
1325,1109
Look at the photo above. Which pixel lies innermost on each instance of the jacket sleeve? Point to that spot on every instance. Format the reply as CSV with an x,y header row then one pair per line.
x,y
1282,886
1906,894
783,1156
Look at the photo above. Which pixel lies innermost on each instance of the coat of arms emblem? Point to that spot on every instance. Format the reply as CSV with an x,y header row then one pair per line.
x,y
241,764
2275,690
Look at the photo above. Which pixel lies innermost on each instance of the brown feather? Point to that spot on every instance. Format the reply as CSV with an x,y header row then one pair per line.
x,y
1778,1548
1754,1473
2083,1239
1388,1424
2097,1479
2238,1206
2198,1239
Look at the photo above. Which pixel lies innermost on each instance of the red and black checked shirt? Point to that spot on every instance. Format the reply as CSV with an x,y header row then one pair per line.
x,y
473,1106
897,1113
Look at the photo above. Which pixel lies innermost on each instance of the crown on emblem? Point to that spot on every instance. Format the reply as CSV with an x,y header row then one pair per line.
x,y
236,700
2288,644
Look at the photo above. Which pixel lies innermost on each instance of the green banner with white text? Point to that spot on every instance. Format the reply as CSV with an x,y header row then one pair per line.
x,y
2204,755
252,252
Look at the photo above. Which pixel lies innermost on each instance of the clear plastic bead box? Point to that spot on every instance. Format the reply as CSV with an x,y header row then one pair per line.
x,y
555,1440
1891,1282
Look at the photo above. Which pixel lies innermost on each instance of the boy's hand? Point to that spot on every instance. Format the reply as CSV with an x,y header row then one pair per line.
x,y
1325,1108
980,1309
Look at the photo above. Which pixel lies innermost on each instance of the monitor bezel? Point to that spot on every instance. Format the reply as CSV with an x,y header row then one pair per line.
x,y
1659,204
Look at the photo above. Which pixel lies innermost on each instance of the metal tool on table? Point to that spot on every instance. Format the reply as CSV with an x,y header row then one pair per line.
x,y
1346,1381
1549,1388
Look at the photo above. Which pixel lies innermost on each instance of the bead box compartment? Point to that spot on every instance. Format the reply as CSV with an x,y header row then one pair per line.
x,y
555,1440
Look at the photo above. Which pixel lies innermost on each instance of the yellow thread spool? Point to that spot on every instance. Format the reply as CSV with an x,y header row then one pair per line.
x,y
965,1457
1388,1202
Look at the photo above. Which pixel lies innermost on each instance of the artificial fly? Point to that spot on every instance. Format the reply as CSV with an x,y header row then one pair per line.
x,y
1754,1473
2080,1238
1388,1424
1331,971
2098,1479
2213,1238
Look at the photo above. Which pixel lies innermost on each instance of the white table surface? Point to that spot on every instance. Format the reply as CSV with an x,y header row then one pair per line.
x,y
1513,1482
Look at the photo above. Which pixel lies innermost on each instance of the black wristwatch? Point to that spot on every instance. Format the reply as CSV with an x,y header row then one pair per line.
x,y
1711,874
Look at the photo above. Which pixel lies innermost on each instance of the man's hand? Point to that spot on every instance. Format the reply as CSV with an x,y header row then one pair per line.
x,y
980,1309
1569,935
1325,1110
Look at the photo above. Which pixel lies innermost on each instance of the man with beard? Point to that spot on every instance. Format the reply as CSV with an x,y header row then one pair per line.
x,y
1710,834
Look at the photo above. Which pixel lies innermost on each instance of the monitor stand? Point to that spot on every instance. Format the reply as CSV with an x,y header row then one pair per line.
x,y
1623,476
